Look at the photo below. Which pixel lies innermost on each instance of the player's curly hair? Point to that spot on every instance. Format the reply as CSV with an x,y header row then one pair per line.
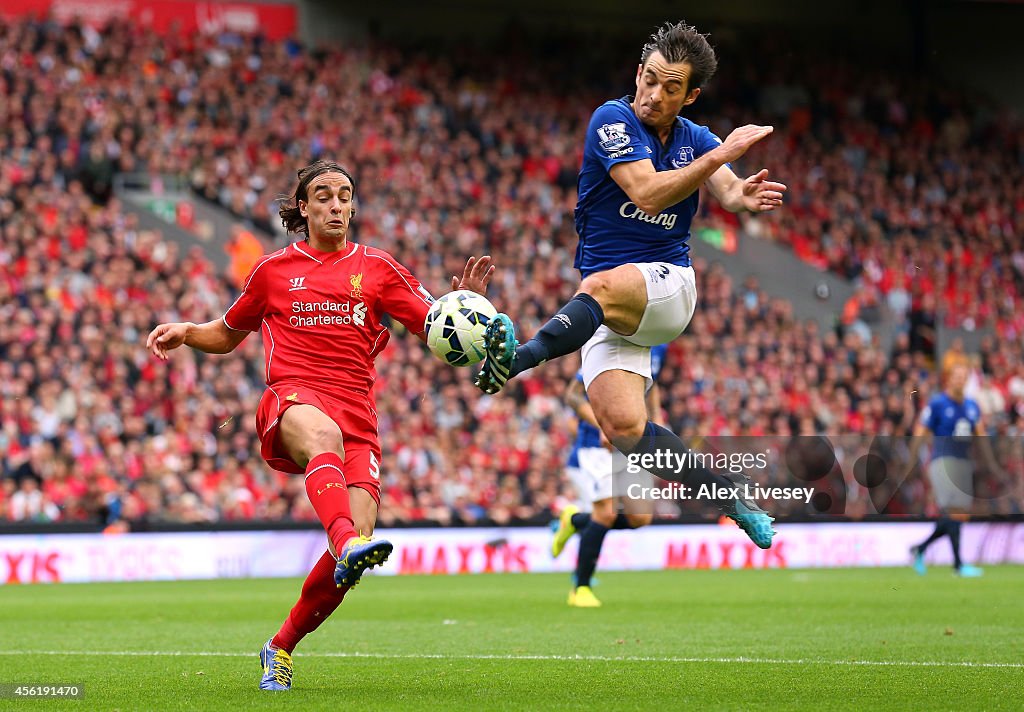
x,y
291,218
680,42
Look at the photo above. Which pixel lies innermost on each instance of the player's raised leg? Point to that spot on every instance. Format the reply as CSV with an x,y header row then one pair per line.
x,y
617,399
314,441
616,298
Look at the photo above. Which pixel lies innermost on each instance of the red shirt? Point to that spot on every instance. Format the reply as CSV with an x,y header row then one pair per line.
x,y
320,313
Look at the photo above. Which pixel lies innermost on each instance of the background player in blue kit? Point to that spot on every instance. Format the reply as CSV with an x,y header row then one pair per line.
x,y
952,419
642,168
592,469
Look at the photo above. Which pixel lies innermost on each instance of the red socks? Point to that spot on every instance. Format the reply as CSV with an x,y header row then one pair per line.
x,y
320,596
325,487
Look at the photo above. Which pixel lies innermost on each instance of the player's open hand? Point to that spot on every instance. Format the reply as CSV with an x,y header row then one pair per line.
x,y
166,337
476,275
740,140
760,194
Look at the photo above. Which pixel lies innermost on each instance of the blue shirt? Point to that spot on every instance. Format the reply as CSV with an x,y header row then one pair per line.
x,y
589,436
952,423
612,230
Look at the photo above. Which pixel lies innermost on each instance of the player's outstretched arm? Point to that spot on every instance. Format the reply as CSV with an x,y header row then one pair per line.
x,y
213,337
756,194
652,191
476,275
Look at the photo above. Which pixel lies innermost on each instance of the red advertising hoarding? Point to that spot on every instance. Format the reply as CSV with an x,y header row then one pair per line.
x,y
276,21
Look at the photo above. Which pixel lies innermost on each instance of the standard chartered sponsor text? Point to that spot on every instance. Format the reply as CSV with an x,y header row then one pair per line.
x,y
326,313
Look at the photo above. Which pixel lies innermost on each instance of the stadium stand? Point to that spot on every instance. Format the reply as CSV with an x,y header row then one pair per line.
x,y
92,429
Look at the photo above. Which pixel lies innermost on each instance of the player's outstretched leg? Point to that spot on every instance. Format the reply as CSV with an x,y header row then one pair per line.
x,y
731,501
277,668
500,346
359,554
566,332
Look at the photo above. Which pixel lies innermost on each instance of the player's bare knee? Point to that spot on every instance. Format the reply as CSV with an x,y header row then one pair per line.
x,y
622,294
622,430
598,286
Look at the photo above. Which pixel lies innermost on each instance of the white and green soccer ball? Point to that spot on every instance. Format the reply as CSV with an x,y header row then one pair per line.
x,y
455,327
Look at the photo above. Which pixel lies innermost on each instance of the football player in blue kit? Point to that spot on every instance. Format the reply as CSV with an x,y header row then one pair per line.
x,y
952,419
643,166
594,470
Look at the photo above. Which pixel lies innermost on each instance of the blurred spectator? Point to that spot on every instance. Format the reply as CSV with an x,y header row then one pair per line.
x,y
893,183
245,249
28,503
923,336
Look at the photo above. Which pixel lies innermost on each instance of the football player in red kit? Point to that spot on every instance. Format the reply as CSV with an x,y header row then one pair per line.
x,y
319,304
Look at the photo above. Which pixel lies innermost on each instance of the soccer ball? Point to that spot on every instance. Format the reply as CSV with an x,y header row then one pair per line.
x,y
455,327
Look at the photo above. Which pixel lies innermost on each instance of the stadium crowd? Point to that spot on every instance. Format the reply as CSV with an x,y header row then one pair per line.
x,y
900,183
448,163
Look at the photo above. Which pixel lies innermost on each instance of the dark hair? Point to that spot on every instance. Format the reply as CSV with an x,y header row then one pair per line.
x,y
680,42
291,218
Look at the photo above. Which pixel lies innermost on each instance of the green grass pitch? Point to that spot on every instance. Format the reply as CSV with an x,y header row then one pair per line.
x,y
736,640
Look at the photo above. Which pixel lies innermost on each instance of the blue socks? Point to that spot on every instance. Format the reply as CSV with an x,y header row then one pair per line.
x,y
657,438
565,333
591,539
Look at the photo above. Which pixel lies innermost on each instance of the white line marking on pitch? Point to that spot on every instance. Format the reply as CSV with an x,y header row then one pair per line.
x,y
581,658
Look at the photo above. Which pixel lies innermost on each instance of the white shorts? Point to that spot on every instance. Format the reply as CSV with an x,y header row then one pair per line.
x,y
594,475
952,480
671,299
603,474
